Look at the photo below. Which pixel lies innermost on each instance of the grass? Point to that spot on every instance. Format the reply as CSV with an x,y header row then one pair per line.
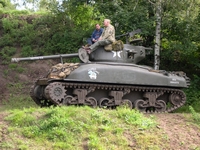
x,y
79,128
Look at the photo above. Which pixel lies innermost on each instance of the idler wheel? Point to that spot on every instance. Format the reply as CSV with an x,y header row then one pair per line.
x,y
175,99
140,105
127,103
70,100
36,94
91,101
160,106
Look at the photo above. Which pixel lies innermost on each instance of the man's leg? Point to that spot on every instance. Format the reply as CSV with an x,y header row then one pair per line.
x,y
89,41
94,46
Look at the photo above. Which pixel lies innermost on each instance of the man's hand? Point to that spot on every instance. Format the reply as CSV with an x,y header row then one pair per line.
x,y
94,40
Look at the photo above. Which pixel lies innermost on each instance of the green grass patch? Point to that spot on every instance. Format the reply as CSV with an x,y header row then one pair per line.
x,y
17,102
83,127
16,68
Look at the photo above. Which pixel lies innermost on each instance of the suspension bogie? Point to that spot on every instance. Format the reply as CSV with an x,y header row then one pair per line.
x,y
144,99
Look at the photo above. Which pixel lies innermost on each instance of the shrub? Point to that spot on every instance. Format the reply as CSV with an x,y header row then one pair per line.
x,y
193,93
27,51
9,24
6,53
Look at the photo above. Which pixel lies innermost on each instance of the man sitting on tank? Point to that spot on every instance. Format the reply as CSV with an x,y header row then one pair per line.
x,y
107,37
95,35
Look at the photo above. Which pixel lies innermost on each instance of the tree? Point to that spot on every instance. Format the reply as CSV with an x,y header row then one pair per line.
x,y
6,4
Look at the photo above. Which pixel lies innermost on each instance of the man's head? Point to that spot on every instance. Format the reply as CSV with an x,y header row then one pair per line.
x,y
106,22
97,26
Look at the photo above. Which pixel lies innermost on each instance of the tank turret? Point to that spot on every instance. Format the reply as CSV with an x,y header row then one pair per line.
x,y
108,79
129,53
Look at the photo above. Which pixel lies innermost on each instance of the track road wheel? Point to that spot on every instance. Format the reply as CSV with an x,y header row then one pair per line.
x,y
91,101
127,103
69,100
104,103
140,105
160,106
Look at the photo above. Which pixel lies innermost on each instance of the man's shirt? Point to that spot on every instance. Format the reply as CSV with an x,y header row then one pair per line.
x,y
97,33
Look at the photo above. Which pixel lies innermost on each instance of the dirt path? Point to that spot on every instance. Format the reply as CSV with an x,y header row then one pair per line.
x,y
182,134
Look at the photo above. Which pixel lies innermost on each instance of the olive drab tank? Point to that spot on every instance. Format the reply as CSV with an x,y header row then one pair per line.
x,y
109,79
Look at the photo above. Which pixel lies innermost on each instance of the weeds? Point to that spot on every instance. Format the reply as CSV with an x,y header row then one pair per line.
x,y
195,115
17,102
136,118
6,53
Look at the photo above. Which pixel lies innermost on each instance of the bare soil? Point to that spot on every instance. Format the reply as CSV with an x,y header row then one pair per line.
x,y
32,71
182,134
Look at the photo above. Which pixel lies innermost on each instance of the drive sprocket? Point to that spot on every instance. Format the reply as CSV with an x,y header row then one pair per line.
x,y
55,92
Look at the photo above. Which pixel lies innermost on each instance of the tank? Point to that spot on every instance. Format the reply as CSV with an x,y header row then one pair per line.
x,y
108,79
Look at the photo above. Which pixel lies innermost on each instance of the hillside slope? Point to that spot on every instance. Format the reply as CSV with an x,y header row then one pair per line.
x,y
23,73
16,79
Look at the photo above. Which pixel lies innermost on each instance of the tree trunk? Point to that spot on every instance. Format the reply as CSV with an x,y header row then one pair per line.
x,y
158,35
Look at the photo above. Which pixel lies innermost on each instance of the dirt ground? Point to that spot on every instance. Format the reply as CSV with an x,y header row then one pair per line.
x,y
182,134
32,71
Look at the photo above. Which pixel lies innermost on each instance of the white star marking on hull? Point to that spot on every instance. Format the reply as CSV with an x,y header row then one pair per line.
x,y
116,54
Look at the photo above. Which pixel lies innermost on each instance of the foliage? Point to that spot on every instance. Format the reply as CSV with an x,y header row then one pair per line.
x,y
195,115
62,32
193,93
179,42
128,15
69,22
6,53
6,4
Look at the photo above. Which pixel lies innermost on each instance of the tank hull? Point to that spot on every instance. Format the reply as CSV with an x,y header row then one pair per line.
x,y
109,85
125,74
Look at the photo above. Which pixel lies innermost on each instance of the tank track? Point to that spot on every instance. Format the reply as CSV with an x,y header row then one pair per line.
x,y
38,97
33,96
56,93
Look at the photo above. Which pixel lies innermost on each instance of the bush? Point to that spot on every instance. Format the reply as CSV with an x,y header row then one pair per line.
x,y
27,51
6,53
193,93
6,40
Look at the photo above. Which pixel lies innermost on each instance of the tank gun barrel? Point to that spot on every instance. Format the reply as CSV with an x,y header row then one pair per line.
x,y
45,57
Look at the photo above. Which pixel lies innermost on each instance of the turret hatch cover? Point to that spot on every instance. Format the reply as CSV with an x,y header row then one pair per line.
x,y
84,57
